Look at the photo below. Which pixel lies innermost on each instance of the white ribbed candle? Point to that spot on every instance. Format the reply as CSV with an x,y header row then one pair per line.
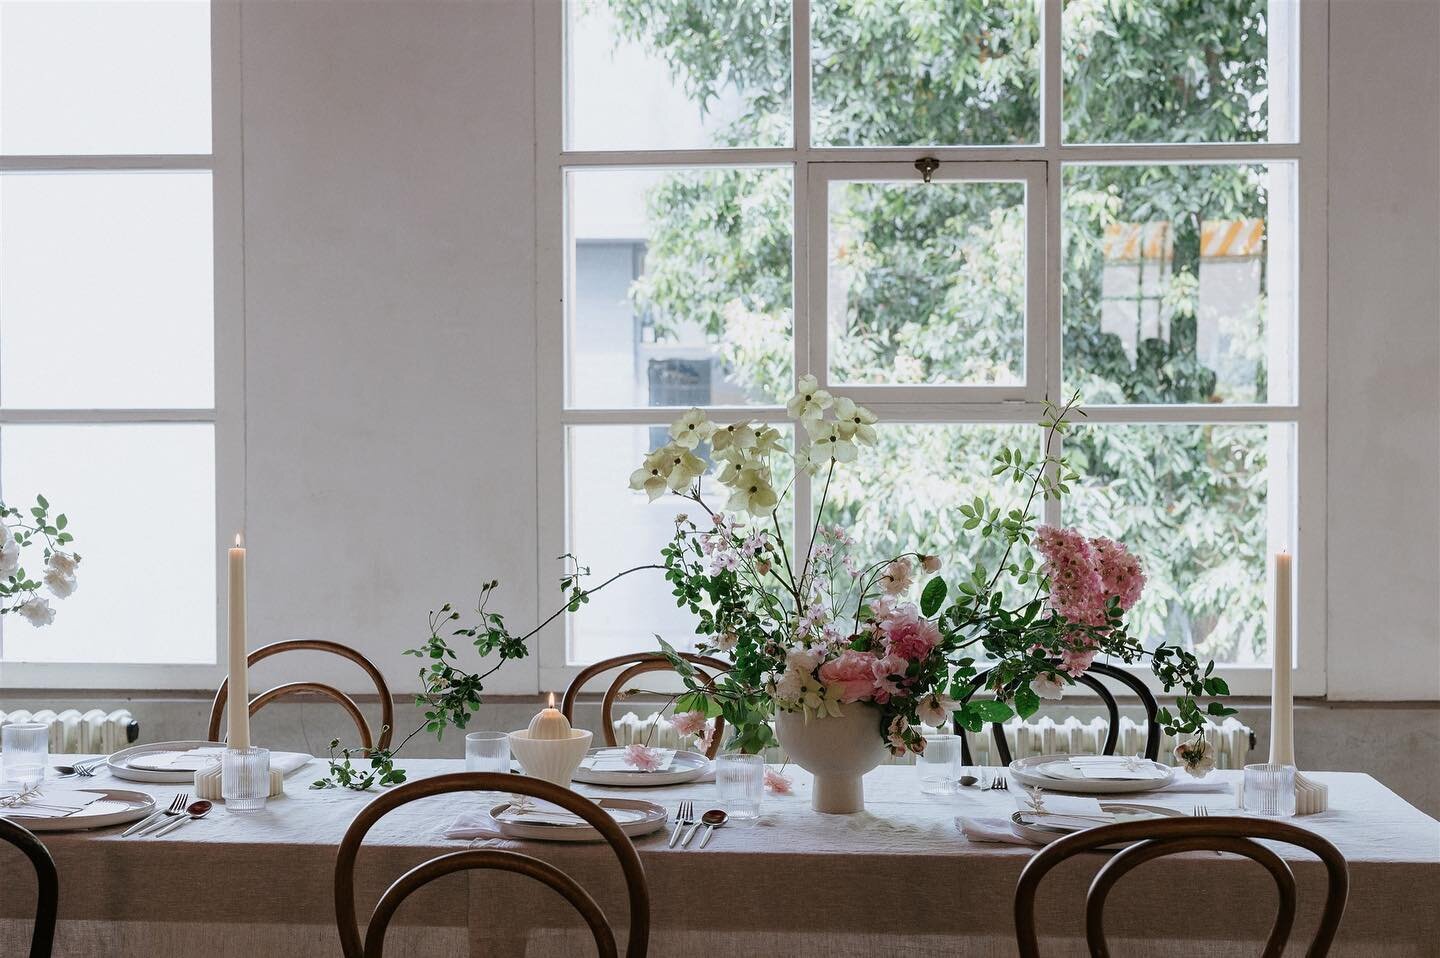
x,y
238,711
1282,701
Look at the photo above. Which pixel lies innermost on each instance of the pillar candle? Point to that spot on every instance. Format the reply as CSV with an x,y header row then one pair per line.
x,y
238,711
1282,702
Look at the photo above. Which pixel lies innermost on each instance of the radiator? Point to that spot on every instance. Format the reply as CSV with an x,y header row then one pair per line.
x,y
1231,739
79,733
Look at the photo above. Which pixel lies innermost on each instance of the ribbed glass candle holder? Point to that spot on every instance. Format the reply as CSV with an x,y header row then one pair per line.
x,y
245,778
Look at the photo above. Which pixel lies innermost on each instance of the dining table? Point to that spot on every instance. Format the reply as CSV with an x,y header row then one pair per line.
x,y
899,877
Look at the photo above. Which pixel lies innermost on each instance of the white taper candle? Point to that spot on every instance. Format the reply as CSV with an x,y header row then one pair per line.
x,y
1282,702
238,711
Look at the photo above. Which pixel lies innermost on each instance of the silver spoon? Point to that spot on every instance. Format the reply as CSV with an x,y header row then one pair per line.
x,y
713,819
193,812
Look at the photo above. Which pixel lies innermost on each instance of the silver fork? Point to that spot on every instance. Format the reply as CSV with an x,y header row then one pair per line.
x,y
684,815
177,807
1200,811
88,769
1001,783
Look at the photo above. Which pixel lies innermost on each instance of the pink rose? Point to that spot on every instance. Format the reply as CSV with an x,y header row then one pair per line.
x,y
776,782
688,723
898,576
642,757
908,634
851,677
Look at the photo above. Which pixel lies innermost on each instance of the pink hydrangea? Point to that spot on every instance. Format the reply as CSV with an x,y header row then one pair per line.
x,y
688,723
850,677
1120,573
1085,574
1076,661
644,758
908,634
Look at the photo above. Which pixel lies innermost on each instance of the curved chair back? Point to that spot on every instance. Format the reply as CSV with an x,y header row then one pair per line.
x,y
1089,680
48,882
1170,836
638,940
639,663
387,708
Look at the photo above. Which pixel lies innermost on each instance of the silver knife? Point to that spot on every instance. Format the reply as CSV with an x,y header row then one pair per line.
x,y
143,823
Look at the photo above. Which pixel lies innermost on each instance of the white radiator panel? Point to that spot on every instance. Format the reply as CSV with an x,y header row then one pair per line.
x,y
73,732
1231,738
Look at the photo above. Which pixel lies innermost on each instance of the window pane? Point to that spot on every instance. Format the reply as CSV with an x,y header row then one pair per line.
x,y
1203,507
671,74
613,528
1168,71
925,72
681,287
104,76
927,282
141,504
904,493
1179,283
106,290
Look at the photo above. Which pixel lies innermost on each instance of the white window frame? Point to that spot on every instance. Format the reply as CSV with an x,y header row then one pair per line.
x,y
813,167
228,413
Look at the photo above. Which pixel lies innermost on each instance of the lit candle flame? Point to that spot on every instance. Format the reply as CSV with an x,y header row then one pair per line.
x,y
552,700
237,540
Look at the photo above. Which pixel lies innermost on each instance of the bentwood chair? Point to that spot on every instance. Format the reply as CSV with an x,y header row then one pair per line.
x,y
1156,839
47,894
637,890
640,663
387,708
1091,681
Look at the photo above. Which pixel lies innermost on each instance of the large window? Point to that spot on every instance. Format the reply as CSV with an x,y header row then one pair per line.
x,y
109,207
1126,204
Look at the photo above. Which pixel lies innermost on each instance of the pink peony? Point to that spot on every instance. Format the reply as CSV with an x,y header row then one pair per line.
x,y
851,677
688,723
642,757
775,782
884,668
908,634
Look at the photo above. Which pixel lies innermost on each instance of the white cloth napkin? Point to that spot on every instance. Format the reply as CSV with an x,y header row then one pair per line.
x,y
1198,786
470,825
989,830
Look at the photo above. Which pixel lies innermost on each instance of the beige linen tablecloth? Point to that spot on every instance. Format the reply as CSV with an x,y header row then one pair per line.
x,y
898,878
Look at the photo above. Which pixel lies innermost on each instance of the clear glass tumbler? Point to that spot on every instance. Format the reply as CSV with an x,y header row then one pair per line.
x,y
25,748
939,767
1270,790
487,752
739,783
245,778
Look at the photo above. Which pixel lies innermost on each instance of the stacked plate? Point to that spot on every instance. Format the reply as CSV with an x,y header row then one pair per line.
x,y
1092,774
549,823
102,808
1044,829
605,766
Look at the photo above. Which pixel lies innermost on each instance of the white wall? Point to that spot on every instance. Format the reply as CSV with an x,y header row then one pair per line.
x,y
1384,345
389,154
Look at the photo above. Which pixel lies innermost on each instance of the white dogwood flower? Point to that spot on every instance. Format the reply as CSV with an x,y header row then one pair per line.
x,y
827,443
809,401
855,421
736,436
752,493
691,429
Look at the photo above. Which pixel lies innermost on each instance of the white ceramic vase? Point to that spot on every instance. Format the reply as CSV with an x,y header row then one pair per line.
x,y
838,751
553,759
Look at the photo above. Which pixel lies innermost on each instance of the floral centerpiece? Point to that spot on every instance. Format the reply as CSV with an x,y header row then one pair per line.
x,y
817,635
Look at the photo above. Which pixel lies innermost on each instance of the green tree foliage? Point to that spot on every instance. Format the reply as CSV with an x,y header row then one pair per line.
x,y
934,278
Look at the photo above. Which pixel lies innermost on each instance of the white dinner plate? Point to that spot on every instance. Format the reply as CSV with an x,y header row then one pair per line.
x,y
685,767
117,807
1031,827
121,767
634,817
1030,771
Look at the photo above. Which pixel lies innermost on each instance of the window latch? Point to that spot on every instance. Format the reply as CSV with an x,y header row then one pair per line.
x,y
927,165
